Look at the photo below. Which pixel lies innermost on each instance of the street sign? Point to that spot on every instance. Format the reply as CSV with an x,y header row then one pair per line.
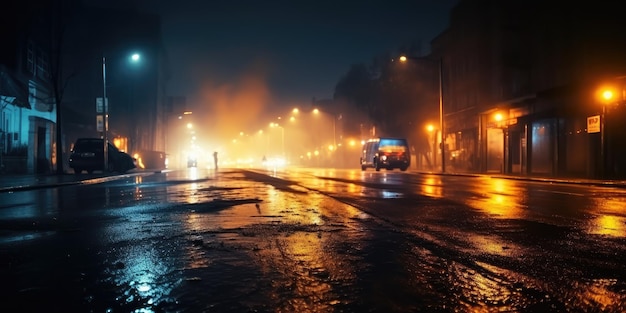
x,y
100,122
593,124
99,107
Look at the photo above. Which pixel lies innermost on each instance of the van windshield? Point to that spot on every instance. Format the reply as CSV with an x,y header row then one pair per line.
x,y
392,145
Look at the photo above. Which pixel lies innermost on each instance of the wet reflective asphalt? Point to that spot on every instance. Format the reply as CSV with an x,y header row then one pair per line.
x,y
314,241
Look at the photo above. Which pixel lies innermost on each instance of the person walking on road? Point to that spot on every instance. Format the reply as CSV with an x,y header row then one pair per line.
x,y
215,159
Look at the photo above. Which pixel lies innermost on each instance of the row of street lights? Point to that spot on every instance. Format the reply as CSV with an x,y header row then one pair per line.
x,y
283,125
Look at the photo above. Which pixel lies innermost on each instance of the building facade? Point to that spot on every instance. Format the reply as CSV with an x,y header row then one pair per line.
x,y
101,42
27,103
521,80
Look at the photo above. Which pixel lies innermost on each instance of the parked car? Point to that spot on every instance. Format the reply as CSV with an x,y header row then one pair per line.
x,y
387,153
88,155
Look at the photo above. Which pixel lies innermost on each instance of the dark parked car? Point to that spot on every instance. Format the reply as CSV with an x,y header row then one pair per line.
x,y
88,155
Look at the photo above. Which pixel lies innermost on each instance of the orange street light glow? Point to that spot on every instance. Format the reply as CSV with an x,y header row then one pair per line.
x,y
607,95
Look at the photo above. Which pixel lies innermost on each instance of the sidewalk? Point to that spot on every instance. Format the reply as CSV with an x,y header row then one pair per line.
x,y
17,182
578,181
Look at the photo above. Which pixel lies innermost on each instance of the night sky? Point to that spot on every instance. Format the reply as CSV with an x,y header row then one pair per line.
x,y
299,48
241,59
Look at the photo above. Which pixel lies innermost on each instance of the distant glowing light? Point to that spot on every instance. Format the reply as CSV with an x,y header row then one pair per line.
x,y
607,95
135,57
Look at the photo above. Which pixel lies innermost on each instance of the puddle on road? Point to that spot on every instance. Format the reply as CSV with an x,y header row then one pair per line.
x,y
609,218
286,248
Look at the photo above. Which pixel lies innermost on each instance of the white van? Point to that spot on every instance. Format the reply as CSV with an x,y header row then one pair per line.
x,y
387,153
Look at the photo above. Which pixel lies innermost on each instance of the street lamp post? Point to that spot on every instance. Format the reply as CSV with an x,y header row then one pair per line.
x,y
106,115
607,96
282,133
317,111
602,141
441,123
135,57
441,112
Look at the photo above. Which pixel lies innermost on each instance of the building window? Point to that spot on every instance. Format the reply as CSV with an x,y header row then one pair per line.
x,y
42,65
30,58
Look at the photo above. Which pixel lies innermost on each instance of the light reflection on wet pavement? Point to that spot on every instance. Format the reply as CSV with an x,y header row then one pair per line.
x,y
242,242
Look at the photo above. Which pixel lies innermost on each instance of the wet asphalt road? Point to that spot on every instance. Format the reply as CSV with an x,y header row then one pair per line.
x,y
313,241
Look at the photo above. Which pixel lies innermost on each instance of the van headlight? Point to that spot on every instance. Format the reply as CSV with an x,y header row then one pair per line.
x,y
384,158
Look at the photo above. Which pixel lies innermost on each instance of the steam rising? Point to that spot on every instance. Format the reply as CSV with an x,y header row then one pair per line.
x,y
226,110
246,127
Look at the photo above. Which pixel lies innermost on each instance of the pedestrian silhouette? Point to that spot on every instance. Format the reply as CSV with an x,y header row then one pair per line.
x,y
215,158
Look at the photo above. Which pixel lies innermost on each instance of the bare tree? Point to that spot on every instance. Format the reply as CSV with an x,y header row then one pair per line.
x,y
60,14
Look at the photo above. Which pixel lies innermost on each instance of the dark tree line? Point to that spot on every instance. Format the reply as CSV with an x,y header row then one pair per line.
x,y
399,98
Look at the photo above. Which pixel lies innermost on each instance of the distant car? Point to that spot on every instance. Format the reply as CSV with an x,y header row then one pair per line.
x,y
387,153
88,155
192,161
